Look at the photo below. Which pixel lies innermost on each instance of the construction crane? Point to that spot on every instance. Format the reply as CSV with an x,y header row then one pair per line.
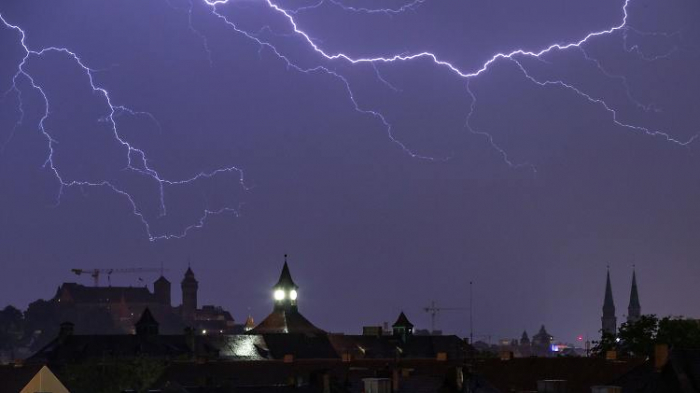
x,y
434,310
95,273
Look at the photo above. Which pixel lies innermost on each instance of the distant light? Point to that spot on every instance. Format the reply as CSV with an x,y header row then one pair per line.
x,y
580,338
617,340
293,294
279,294
204,331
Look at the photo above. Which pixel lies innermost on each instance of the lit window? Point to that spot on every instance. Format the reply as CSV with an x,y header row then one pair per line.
x,y
293,295
279,294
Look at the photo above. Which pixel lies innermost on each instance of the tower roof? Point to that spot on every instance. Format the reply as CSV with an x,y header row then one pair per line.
x,y
162,279
286,321
608,304
189,276
525,337
402,321
285,277
146,319
634,295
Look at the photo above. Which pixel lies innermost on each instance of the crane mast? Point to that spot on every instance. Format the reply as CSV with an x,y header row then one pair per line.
x,y
95,273
434,310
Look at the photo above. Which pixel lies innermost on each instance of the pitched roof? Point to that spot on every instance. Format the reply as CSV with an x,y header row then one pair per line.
x,y
81,347
189,276
522,374
162,279
402,321
146,318
285,278
389,347
286,321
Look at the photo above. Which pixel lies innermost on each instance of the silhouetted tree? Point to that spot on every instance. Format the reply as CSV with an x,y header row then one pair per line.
x,y
11,328
679,332
42,320
640,337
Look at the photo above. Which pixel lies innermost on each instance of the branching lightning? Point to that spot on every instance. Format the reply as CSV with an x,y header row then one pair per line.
x,y
136,160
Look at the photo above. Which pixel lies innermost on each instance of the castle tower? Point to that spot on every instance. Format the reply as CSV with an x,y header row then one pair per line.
x,y
161,289
609,321
189,294
634,310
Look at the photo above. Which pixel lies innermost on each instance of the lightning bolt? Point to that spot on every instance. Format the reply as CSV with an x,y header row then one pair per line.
x,y
514,55
412,6
136,159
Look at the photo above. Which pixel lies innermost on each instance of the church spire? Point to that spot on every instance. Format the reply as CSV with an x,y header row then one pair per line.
x,y
609,320
285,291
634,310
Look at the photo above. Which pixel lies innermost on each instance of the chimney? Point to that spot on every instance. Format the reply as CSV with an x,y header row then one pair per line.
x,y
189,339
660,356
65,331
395,380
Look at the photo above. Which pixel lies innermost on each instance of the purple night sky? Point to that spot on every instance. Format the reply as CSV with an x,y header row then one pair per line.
x,y
179,130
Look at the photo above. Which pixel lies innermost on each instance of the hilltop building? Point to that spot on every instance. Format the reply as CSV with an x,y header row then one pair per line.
x,y
115,309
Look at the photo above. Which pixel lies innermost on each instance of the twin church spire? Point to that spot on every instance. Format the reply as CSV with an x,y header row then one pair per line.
x,y
634,310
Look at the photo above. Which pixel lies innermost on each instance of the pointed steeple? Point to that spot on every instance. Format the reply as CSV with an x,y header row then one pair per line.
x,y
285,316
609,303
609,321
146,325
285,291
285,277
634,310
524,339
402,328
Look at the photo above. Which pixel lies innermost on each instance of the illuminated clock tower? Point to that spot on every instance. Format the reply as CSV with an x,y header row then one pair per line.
x,y
285,291
285,317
